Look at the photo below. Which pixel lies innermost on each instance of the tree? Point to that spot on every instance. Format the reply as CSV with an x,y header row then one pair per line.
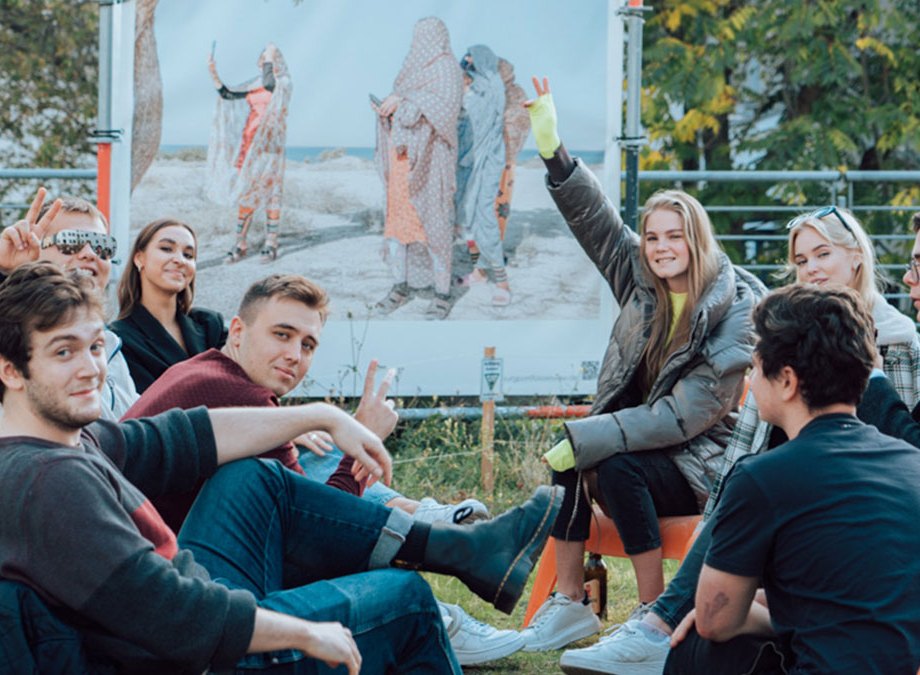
x,y
830,84
48,76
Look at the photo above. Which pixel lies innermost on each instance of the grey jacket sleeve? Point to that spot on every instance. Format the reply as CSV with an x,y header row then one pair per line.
x,y
704,394
597,226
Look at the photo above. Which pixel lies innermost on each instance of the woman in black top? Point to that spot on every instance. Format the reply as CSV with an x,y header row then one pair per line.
x,y
156,321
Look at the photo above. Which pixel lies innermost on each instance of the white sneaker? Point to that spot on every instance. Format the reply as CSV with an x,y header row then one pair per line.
x,y
475,642
558,622
627,650
464,513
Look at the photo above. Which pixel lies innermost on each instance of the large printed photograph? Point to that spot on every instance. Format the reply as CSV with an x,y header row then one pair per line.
x,y
383,150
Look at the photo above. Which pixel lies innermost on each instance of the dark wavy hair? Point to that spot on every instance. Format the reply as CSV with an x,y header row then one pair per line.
x,y
129,288
826,335
39,296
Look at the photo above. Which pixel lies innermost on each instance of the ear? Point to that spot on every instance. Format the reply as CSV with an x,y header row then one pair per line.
x,y
235,334
11,376
789,384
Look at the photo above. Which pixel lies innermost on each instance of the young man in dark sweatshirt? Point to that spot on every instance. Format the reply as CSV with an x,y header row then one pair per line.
x,y
291,556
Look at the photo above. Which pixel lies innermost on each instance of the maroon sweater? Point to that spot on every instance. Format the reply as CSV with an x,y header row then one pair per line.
x,y
214,380
76,525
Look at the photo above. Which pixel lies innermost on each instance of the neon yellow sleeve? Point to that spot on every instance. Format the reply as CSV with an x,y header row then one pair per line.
x,y
543,123
561,457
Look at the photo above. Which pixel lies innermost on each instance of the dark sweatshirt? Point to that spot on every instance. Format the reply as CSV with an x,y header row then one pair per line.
x,y
77,525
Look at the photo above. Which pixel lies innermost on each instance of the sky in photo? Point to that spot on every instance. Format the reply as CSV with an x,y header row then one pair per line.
x,y
339,51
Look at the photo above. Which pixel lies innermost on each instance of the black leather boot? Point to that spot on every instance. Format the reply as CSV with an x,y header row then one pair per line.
x,y
494,557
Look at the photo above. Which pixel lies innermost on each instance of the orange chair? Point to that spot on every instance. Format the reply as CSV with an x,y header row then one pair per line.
x,y
677,535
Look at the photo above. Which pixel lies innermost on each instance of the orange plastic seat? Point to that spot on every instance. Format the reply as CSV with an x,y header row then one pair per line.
x,y
677,535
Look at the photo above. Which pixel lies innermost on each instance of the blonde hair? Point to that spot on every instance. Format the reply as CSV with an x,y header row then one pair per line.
x,y
865,282
701,272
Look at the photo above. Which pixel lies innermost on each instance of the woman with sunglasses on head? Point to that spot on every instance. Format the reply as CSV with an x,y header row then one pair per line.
x,y
829,246
669,382
156,319
73,234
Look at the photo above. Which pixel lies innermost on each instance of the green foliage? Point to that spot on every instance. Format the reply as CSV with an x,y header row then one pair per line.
x,y
48,75
831,84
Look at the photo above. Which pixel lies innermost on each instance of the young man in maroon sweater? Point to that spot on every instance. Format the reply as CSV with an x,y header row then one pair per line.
x,y
269,350
298,563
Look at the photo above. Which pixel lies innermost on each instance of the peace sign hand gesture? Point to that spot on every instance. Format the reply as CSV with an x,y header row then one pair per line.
x,y
543,119
20,243
374,410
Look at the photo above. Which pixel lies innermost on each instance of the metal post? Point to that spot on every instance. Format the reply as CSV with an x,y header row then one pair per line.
x,y
633,139
487,438
104,110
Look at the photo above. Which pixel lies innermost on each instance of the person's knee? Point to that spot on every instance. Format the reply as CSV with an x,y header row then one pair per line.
x,y
618,468
248,473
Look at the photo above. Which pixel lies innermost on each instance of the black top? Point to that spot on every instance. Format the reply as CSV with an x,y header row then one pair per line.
x,y
149,349
883,408
829,520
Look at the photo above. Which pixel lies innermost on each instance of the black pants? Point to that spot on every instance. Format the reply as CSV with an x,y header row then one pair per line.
x,y
742,655
637,488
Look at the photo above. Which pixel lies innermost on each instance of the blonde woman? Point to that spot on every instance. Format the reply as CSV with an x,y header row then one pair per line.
x,y
670,379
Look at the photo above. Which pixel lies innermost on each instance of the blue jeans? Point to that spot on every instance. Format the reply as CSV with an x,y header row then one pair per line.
x,y
320,468
304,549
679,596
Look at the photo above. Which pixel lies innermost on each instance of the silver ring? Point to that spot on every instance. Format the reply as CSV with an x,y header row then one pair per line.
x,y
313,437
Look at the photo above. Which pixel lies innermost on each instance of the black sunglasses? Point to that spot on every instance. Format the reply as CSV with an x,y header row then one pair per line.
x,y
818,214
70,242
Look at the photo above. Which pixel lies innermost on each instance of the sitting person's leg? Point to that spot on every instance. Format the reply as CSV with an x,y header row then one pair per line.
x,y
254,521
753,654
637,489
565,616
392,615
641,647
428,510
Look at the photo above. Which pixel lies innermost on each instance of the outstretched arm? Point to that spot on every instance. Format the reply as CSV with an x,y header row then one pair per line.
x,y
246,432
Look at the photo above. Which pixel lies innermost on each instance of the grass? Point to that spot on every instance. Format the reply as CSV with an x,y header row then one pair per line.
x,y
441,458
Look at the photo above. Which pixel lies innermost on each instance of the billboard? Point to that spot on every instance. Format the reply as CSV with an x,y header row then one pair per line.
x,y
282,170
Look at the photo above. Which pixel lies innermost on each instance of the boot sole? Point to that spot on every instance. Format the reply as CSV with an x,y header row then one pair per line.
x,y
512,584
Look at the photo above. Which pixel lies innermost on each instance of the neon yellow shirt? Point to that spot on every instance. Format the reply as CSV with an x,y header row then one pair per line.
x,y
678,302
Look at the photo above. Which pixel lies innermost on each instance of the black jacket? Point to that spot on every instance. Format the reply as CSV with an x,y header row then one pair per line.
x,y
149,349
883,408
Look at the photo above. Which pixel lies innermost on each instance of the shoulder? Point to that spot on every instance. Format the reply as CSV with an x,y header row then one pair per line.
x,y
204,316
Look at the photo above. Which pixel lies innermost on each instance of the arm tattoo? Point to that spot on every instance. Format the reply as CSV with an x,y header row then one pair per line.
x,y
718,603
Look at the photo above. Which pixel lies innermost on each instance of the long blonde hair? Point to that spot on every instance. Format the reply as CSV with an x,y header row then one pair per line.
x,y
829,227
701,272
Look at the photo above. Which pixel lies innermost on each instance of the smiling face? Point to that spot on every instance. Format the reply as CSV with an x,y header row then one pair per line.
x,y
167,264
276,347
665,245
85,261
67,371
909,276
818,261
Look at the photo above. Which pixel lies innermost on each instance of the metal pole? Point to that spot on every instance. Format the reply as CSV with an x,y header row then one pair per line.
x,y
633,139
104,110
614,80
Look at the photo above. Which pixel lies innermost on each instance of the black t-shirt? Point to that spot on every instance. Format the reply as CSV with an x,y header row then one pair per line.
x,y
831,522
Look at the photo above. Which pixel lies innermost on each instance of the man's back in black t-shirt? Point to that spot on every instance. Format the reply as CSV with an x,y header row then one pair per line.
x,y
831,522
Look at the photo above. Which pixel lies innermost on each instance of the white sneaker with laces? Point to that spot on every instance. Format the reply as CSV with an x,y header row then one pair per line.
x,y
475,642
625,650
559,621
465,513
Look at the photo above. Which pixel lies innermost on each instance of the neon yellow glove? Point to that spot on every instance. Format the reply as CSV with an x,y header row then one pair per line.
x,y
561,457
543,122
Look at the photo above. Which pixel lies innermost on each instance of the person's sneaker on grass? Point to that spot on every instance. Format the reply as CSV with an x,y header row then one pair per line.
x,y
559,621
465,513
475,642
633,648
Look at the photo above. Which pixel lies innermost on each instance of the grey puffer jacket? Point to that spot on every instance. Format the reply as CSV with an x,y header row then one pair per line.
x,y
689,410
